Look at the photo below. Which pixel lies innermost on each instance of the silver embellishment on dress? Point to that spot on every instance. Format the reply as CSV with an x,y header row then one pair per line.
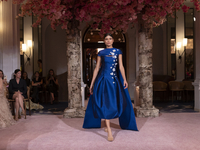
x,y
113,69
112,77
114,56
112,64
115,63
113,82
111,73
110,67
114,50
112,53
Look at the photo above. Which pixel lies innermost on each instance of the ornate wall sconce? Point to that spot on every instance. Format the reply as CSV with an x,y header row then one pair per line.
x,y
24,48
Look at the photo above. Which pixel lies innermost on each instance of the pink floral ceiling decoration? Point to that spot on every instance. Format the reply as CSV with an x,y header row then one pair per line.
x,y
115,14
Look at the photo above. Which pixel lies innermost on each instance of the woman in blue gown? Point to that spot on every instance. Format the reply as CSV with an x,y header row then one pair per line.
x,y
109,94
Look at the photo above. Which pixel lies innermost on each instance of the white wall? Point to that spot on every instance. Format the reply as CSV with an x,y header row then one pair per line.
x,y
9,41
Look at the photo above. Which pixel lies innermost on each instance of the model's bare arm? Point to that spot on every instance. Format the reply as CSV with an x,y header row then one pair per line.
x,y
121,68
96,70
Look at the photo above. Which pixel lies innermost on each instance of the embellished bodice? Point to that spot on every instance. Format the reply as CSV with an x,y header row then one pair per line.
x,y
109,62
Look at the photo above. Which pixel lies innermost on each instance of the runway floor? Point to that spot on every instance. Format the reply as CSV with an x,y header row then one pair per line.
x,y
169,131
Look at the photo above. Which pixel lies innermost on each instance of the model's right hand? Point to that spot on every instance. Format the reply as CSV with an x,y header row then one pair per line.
x,y
91,90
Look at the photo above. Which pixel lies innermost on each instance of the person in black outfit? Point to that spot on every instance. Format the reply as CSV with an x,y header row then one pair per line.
x,y
52,84
25,77
36,85
18,91
40,67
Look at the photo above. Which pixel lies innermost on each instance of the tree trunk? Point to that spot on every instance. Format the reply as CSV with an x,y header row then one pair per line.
x,y
74,74
146,109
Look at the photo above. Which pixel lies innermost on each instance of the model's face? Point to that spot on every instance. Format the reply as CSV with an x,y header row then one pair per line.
x,y
18,74
1,74
108,41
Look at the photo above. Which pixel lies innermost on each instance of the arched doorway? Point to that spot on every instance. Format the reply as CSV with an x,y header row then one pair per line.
x,y
92,43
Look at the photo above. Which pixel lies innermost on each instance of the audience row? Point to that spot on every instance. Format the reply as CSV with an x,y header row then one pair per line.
x,y
18,87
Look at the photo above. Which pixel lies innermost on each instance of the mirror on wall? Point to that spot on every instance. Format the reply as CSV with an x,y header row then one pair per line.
x,y
37,47
189,48
171,34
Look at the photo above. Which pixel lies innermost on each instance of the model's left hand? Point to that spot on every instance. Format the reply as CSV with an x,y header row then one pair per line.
x,y
125,84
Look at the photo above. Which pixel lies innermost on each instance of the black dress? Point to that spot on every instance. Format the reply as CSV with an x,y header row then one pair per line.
x,y
14,87
28,81
36,90
52,87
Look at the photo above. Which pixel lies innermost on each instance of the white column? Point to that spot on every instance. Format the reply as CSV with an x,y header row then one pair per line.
x,y
180,73
197,63
83,85
9,41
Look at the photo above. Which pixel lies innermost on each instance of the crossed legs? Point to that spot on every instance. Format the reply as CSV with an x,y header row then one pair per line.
x,y
18,103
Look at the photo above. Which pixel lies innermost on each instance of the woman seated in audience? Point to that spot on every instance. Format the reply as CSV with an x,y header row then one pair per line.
x,y
25,77
36,85
6,118
18,91
52,84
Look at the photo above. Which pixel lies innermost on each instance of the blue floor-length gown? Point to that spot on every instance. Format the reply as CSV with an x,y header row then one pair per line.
x,y
110,99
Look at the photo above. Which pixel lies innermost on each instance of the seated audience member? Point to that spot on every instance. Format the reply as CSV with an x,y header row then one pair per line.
x,y
40,67
18,91
52,84
6,118
25,77
36,85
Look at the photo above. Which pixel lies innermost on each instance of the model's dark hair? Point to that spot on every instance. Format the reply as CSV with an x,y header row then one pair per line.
x,y
16,71
107,35
2,73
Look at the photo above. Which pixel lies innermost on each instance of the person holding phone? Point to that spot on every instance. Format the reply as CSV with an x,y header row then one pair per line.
x,y
52,84
36,85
